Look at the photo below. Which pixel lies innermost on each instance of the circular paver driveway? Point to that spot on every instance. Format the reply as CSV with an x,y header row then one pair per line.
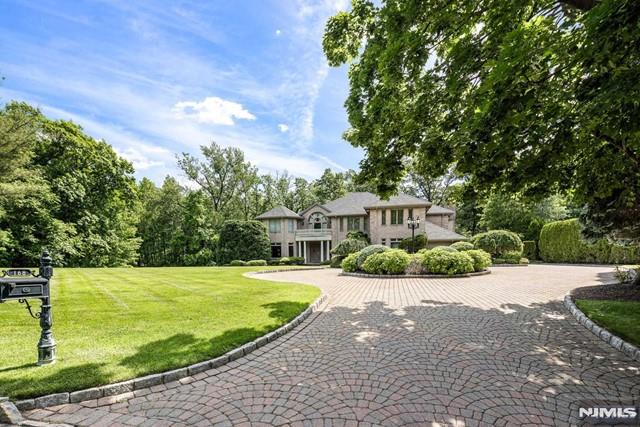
x,y
490,350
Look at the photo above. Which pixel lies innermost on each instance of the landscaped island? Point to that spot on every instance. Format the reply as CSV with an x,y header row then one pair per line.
x,y
120,323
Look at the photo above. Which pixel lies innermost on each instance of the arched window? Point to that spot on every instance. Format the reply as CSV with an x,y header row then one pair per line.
x,y
318,220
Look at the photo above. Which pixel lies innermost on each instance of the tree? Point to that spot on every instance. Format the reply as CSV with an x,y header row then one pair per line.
x,y
530,97
243,240
329,186
434,189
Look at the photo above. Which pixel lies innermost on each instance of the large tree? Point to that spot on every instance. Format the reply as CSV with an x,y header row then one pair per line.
x,y
530,96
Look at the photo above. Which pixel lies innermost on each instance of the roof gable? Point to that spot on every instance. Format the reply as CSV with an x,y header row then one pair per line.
x,y
279,212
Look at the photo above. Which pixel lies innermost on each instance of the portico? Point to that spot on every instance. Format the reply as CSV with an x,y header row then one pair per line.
x,y
314,245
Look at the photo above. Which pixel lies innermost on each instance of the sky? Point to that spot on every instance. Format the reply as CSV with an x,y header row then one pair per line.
x,y
157,78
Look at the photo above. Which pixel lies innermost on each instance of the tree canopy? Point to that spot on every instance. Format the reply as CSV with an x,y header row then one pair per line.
x,y
534,96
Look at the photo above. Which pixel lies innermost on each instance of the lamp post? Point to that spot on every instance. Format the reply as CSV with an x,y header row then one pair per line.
x,y
413,224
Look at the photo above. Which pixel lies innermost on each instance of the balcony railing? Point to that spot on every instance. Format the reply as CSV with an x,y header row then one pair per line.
x,y
313,234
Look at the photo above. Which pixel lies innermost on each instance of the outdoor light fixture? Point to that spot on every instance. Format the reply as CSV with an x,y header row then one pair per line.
x,y
413,224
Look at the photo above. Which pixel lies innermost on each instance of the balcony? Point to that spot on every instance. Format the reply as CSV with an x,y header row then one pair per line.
x,y
309,234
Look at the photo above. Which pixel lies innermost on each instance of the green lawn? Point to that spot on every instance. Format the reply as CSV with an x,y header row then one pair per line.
x,y
619,317
119,323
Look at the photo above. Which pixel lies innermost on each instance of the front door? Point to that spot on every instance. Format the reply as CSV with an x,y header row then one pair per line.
x,y
314,252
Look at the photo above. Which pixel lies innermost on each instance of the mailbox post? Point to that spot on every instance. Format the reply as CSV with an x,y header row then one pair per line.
x,y
22,284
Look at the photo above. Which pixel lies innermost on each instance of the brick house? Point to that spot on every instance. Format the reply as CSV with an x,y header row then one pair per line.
x,y
313,232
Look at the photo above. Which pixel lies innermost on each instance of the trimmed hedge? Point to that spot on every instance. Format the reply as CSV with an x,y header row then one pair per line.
x,y
481,259
243,240
529,249
421,242
349,246
562,241
349,263
450,263
393,261
445,248
498,242
367,252
462,246
257,262
237,263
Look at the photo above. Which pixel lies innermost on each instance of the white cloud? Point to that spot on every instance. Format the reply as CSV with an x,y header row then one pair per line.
x,y
213,110
283,128
278,32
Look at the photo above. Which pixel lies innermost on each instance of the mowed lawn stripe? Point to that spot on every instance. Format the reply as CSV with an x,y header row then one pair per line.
x,y
120,323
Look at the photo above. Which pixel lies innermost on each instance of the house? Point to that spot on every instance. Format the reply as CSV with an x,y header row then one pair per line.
x,y
313,232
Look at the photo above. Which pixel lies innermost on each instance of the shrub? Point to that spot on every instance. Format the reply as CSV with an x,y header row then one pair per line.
x,y
237,263
257,262
415,264
326,262
562,241
336,261
367,252
481,259
462,246
444,262
296,260
243,240
497,242
393,261
512,257
348,246
421,243
349,263
524,261
284,261
358,235
529,249
445,248
273,261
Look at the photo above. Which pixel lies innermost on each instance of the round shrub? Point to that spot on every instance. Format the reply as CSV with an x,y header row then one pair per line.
x,y
349,263
237,263
285,261
296,260
421,243
415,265
393,261
367,252
481,259
336,261
445,248
243,240
450,263
512,257
257,262
349,246
497,242
462,246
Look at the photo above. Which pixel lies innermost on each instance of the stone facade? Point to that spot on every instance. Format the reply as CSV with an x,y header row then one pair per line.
x,y
312,233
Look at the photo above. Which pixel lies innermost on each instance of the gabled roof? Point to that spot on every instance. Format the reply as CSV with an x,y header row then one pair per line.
x,y
399,200
439,210
438,234
351,204
279,212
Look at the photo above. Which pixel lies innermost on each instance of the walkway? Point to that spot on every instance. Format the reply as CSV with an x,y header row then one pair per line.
x,y
491,350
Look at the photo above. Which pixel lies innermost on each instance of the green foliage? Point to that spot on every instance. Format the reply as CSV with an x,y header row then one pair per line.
x,y
420,243
530,249
512,257
529,97
237,263
619,317
349,263
284,261
336,261
562,241
294,260
497,242
348,246
360,235
243,240
481,259
444,262
445,248
367,252
393,261
415,264
257,262
462,246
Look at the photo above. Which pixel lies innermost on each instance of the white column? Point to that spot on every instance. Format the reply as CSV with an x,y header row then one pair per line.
x,y
321,250
304,251
297,248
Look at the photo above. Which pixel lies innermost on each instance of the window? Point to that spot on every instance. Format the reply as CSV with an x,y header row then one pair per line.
x,y
353,223
291,226
384,217
341,224
396,216
318,221
383,242
291,249
410,213
276,250
274,226
394,242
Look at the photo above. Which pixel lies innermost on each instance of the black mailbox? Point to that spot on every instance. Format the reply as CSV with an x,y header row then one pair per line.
x,y
22,284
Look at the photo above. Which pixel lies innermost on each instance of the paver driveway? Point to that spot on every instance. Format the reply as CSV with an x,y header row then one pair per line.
x,y
491,350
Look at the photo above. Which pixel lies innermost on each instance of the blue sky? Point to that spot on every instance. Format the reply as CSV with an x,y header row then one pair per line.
x,y
155,78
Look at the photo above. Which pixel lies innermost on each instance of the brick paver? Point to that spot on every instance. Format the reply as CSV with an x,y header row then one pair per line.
x,y
491,350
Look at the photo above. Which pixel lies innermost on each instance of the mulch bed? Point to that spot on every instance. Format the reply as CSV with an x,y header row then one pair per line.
x,y
616,292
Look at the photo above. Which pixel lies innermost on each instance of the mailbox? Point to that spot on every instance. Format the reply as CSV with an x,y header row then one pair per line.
x,y
22,284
